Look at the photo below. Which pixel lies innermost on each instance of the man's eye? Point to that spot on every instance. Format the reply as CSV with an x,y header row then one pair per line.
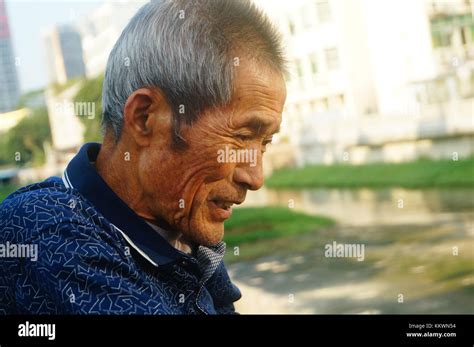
x,y
243,137
265,144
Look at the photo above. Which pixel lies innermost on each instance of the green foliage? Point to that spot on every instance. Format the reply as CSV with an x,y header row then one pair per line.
x,y
91,91
27,97
420,173
255,224
27,139
6,190
58,88
261,231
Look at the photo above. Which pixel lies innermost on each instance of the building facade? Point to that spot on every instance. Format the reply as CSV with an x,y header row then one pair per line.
x,y
366,74
64,55
9,86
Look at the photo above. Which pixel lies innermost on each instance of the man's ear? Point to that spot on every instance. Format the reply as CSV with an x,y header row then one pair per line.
x,y
146,112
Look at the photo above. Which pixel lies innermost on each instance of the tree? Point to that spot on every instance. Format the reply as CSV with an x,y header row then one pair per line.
x,y
91,92
24,143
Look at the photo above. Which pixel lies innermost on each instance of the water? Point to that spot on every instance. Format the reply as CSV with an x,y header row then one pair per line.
x,y
373,207
419,254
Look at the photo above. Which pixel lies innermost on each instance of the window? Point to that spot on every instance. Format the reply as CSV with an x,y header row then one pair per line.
x,y
323,11
441,39
299,68
307,18
332,59
314,107
342,99
297,110
323,105
314,63
336,102
291,25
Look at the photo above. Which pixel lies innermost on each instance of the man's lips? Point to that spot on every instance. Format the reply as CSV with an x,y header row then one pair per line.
x,y
221,209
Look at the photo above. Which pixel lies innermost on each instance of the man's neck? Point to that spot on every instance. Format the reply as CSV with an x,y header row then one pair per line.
x,y
115,170
174,238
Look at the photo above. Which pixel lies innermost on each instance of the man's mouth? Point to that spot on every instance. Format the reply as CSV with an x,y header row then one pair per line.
x,y
222,209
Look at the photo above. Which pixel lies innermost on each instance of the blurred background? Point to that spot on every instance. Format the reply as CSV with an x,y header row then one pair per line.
x,y
376,147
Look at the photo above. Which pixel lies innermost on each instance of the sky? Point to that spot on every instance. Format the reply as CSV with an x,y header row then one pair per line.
x,y
26,19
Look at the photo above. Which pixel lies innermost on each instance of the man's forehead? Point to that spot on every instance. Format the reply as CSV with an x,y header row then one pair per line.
x,y
261,122
261,79
259,92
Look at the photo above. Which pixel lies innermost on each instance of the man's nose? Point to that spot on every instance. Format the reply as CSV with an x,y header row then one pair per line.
x,y
249,174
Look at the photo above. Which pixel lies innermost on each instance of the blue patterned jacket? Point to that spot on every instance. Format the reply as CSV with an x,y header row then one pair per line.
x,y
94,255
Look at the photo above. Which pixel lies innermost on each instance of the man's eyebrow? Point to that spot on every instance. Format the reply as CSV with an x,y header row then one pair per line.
x,y
259,124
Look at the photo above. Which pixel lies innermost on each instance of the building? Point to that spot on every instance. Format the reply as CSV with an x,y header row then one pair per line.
x,y
370,78
9,86
64,55
101,29
66,127
92,42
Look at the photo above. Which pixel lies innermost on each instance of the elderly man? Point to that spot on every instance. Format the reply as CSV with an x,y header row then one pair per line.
x,y
135,225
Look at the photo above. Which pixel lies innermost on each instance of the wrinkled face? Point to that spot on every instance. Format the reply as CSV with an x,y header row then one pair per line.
x,y
194,189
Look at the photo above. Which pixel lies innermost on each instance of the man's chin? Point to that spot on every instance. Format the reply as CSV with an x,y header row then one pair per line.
x,y
208,235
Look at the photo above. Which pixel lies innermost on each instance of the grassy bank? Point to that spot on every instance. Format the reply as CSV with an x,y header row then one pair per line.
x,y
417,174
6,190
260,231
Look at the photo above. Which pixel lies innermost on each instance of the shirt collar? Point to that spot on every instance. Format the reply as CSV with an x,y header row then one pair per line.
x,y
81,175
209,259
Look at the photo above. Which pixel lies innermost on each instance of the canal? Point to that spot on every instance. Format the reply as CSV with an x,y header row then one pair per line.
x,y
419,254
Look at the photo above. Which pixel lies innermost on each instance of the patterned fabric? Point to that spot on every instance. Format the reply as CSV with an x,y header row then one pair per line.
x,y
96,256
209,259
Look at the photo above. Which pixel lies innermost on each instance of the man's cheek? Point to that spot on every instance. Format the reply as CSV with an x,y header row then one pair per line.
x,y
213,171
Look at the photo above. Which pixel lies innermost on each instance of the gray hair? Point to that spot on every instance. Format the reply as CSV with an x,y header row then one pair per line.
x,y
186,48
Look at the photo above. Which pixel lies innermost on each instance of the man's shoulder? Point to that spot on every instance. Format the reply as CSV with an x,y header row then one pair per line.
x,y
38,206
44,190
